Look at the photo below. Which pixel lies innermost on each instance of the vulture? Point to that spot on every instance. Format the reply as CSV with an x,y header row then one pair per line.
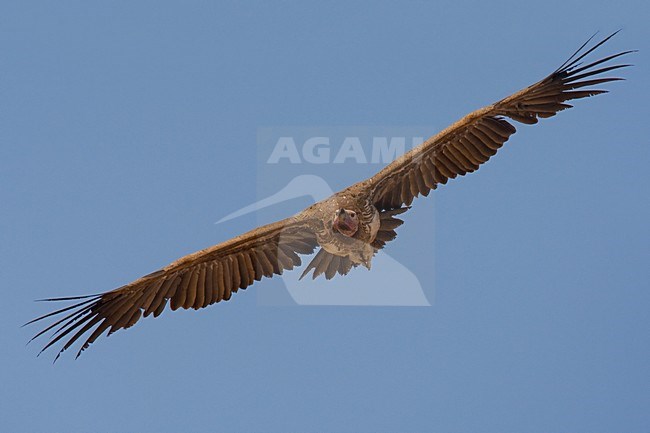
x,y
347,229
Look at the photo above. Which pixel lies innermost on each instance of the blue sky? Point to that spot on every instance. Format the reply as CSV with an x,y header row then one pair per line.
x,y
128,129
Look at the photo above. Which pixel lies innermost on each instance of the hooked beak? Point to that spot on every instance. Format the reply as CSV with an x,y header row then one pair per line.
x,y
344,223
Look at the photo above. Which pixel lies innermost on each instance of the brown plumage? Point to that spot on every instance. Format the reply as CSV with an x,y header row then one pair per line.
x,y
349,227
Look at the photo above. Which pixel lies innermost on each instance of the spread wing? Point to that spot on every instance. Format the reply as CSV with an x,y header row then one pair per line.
x,y
194,281
468,143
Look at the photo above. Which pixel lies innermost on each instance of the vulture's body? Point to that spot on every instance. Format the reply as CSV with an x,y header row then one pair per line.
x,y
347,228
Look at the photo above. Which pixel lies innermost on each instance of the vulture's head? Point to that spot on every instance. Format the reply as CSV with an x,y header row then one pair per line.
x,y
346,222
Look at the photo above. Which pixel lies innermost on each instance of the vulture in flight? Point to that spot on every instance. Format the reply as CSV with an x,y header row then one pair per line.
x,y
347,229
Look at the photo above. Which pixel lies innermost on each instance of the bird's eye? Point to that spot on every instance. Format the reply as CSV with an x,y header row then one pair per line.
x,y
353,214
